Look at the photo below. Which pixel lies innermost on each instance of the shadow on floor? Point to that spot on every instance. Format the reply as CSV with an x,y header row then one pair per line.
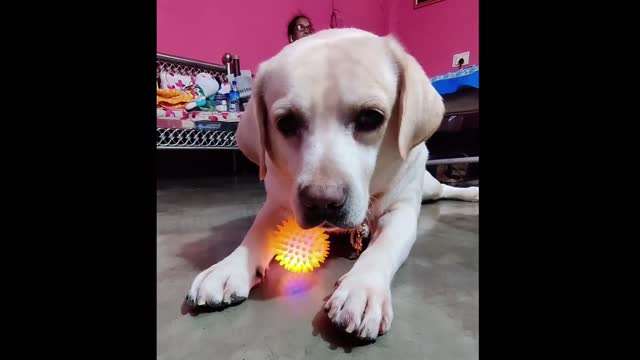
x,y
281,283
203,253
195,311
225,238
222,240
278,283
334,336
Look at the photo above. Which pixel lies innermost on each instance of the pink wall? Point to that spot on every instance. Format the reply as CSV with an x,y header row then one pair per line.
x,y
434,33
206,29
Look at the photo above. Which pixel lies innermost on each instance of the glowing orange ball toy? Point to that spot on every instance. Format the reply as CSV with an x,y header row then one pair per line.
x,y
299,250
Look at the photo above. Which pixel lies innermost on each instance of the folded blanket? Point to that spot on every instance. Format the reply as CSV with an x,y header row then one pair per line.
x,y
173,98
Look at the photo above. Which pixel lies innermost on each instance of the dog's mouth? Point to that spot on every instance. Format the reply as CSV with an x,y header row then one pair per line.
x,y
332,228
328,225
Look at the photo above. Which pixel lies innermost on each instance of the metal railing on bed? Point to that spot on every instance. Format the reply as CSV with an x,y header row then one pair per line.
x,y
172,138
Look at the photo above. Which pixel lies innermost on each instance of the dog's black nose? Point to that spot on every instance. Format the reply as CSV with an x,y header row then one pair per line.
x,y
322,202
322,197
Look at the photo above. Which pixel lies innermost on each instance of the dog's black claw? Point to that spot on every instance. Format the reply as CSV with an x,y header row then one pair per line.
x,y
235,299
366,340
189,301
213,305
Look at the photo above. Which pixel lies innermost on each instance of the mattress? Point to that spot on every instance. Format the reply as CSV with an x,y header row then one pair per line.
x,y
460,90
183,119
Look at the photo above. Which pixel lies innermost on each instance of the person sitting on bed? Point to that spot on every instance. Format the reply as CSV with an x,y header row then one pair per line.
x,y
299,27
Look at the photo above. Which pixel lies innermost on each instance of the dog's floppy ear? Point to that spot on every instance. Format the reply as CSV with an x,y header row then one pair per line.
x,y
252,135
420,107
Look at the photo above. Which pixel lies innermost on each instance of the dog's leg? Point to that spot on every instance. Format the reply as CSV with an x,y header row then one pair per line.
x,y
361,303
229,281
432,189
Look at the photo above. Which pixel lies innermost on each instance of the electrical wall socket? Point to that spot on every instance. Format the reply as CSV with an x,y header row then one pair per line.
x,y
464,56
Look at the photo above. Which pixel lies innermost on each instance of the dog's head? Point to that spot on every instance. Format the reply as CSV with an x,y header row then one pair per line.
x,y
326,109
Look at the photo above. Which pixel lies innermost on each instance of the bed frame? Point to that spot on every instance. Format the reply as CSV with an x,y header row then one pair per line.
x,y
189,139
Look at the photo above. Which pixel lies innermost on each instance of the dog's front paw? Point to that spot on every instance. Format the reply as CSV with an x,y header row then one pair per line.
x,y
474,194
361,305
225,283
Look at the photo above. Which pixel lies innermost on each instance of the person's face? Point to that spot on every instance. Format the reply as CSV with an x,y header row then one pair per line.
x,y
303,28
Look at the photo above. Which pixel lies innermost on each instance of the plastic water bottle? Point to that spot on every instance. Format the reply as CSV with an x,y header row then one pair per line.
x,y
234,98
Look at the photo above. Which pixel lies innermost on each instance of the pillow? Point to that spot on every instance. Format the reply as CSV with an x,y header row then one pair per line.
x,y
169,80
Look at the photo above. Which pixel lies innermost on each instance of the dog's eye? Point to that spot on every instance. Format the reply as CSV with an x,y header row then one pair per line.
x,y
368,120
290,125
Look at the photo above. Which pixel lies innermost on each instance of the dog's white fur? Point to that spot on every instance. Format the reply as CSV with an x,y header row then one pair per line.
x,y
324,78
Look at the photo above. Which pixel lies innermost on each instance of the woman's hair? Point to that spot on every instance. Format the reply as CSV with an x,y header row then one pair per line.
x,y
291,29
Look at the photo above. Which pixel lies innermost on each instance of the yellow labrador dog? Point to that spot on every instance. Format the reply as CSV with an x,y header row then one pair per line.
x,y
338,123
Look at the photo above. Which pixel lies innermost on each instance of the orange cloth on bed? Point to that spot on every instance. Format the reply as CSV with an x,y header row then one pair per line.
x,y
173,98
